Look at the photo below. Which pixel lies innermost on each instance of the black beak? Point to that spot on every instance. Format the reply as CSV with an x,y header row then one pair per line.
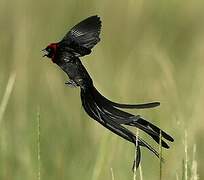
x,y
45,52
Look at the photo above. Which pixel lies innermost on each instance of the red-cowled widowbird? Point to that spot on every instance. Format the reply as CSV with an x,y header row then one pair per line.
x,y
79,42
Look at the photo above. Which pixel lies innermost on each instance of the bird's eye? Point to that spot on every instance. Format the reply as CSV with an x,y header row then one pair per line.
x,y
48,49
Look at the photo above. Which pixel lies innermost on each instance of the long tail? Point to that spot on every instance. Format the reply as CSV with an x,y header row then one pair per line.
x,y
107,114
125,118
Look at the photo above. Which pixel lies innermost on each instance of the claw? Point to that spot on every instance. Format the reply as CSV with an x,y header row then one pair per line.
x,y
71,83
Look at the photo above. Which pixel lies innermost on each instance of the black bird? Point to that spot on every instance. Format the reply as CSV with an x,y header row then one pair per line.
x,y
79,42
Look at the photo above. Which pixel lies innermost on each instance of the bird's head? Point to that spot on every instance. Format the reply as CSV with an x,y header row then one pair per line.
x,y
50,51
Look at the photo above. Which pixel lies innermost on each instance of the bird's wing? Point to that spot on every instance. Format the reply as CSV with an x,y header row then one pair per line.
x,y
84,34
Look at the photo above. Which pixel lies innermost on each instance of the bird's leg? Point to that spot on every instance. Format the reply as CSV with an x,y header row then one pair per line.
x,y
71,83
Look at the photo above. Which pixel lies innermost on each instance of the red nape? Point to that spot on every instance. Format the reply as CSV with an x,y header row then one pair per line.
x,y
53,46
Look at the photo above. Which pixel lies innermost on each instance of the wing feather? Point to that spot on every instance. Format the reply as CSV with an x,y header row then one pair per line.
x,y
85,34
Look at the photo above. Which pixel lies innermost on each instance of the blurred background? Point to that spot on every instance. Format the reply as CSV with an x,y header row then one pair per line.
x,y
149,51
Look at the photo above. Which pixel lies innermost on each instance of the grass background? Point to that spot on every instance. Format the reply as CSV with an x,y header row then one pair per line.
x,y
149,50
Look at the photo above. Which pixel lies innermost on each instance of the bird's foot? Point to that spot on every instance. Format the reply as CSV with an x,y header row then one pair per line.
x,y
71,83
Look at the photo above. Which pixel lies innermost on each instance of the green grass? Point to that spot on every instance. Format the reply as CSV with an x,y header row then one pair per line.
x,y
38,145
149,50
160,155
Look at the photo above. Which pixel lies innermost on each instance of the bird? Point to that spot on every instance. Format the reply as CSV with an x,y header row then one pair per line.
x,y
78,42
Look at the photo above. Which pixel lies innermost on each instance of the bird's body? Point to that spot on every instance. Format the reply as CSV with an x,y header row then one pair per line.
x,y
78,42
76,73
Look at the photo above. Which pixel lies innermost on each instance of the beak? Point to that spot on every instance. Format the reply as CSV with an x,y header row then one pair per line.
x,y
45,52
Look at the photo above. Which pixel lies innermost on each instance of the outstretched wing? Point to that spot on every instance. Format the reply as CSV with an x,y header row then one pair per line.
x,y
85,34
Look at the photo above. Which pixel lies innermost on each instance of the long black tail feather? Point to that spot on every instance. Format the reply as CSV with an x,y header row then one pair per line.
x,y
125,118
137,160
127,106
100,109
154,128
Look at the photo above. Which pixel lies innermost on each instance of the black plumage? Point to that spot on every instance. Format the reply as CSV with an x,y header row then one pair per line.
x,y
79,42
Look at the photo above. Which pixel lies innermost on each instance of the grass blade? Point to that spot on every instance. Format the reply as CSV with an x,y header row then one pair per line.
x,y
38,145
112,174
160,155
7,95
140,170
186,156
135,161
194,168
